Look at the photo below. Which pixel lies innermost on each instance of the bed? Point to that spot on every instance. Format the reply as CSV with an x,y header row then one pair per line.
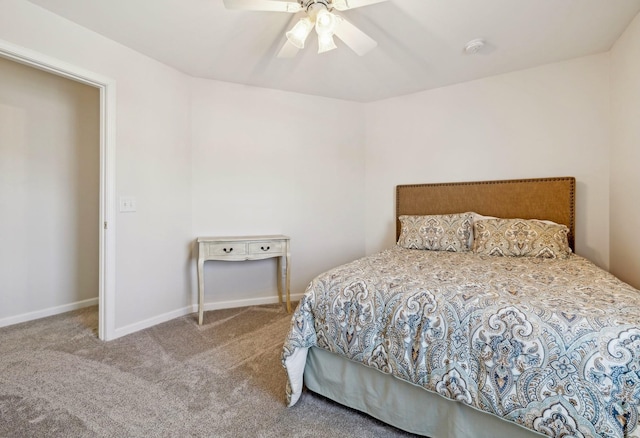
x,y
475,337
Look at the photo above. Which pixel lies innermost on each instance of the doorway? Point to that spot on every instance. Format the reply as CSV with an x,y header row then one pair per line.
x,y
105,225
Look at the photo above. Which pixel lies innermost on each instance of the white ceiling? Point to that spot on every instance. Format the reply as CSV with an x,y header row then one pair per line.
x,y
420,42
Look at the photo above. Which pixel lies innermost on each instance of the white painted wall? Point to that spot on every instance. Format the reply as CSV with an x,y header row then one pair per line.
x,y
205,158
625,155
547,121
49,187
273,162
153,160
301,165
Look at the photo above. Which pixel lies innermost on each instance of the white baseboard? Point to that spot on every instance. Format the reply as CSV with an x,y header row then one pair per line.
x,y
135,327
243,303
30,316
132,328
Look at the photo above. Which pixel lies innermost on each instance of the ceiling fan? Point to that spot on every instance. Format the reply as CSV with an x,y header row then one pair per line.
x,y
318,14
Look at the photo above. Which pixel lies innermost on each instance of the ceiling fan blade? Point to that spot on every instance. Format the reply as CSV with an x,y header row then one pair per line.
x,y
343,5
288,50
263,5
357,40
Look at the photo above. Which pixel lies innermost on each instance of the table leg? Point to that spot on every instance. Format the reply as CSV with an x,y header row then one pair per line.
x,y
287,271
280,282
200,290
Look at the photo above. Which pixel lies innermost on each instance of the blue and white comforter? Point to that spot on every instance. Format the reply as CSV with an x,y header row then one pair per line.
x,y
553,345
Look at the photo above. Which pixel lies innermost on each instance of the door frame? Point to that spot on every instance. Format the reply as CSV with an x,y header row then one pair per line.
x,y
107,224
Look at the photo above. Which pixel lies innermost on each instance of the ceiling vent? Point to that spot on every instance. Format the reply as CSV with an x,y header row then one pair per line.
x,y
474,46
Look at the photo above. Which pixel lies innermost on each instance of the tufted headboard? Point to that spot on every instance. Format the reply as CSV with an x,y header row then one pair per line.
x,y
539,198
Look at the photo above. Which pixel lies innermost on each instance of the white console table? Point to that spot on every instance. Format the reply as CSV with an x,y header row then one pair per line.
x,y
243,248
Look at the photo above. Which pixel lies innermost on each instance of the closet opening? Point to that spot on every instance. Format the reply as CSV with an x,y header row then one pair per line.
x,y
57,140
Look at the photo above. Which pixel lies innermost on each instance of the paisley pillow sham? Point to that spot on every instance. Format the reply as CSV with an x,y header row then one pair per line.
x,y
521,238
442,232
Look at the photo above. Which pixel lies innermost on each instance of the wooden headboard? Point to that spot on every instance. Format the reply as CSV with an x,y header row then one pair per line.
x,y
539,198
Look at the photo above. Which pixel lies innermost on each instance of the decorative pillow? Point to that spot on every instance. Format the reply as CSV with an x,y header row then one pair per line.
x,y
521,238
480,217
442,232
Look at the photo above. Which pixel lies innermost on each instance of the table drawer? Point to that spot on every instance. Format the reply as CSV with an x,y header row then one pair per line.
x,y
261,248
230,249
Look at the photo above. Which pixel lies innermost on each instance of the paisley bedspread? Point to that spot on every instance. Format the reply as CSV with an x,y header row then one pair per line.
x,y
553,345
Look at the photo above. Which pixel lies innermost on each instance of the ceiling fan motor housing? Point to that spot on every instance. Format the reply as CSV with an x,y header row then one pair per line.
x,y
312,6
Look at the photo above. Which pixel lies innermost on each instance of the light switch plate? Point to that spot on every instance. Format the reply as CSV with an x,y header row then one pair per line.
x,y
127,204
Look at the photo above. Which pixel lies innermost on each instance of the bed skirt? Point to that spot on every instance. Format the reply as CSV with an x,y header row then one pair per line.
x,y
399,403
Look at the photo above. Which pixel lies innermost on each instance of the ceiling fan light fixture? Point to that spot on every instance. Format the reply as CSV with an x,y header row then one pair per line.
x,y
299,33
326,22
319,15
326,42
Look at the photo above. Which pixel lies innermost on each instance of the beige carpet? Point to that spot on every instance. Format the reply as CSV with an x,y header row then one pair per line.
x,y
177,379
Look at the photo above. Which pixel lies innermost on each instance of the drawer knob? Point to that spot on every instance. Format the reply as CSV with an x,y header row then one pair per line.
x,y
227,250
265,248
